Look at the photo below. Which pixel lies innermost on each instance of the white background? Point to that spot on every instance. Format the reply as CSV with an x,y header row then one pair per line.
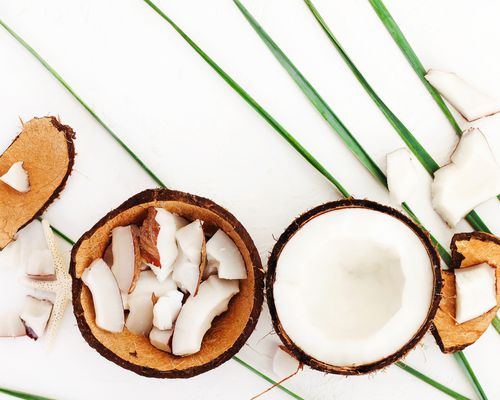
x,y
200,137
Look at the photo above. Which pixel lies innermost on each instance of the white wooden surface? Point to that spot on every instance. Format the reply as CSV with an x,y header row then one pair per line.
x,y
200,137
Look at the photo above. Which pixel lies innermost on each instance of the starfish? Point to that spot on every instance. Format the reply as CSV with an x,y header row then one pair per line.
x,y
61,286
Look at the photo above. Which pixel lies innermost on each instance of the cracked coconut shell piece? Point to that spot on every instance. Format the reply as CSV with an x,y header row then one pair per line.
x,y
467,249
46,148
135,352
299,354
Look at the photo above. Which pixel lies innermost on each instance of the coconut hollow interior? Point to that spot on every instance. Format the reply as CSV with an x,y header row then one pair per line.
x,y
46,148
467,249
135,352
352,286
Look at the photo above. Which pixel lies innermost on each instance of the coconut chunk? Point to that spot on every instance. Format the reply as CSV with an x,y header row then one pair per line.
x,y
147,284
17,177
472,177
105,295
198,312
223,253
283,363
31,238
127,259
476,291
157,238
466,99
40,265
140,317
191,239
35,315
11,326
167,309
401,175
186,274
161,339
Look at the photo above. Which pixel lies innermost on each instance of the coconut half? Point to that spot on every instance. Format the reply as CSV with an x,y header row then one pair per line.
x,y
466,99
135,352
352,286
467,250
472,177
46,148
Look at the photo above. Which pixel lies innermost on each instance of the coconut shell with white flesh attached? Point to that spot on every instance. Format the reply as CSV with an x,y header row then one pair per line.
x,y
135,352
352,286
467,250
46,149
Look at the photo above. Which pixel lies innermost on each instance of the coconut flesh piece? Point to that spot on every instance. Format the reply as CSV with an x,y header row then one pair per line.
x,y
167,309
161,339
140,317
283,363
35,316
467,100
126,256
11,325
106,296
17,177
198,312
472,177
476,291
353,286
158,242
401,175
40,265
223,254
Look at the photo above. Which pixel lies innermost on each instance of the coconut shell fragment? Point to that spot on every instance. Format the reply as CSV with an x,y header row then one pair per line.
x,y
467,249
45,146
135,352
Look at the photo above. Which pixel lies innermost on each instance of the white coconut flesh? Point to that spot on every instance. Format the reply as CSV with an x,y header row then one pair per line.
x,y
186,274
106,296
35,315
123,250
167,309
401,175
147,284
476,291
140,317
223,254
466,99
160,339
197,314
40,264
353,286
17,177
472,177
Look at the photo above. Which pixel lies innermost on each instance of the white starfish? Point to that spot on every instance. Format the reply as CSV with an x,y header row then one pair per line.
x,y
61,286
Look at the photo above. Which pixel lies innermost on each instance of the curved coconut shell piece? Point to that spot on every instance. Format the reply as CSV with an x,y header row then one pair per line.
x,y
229,331
467,249
46,148
296,225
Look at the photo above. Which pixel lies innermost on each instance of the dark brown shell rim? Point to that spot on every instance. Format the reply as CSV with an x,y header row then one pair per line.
x,y
294,227
148,196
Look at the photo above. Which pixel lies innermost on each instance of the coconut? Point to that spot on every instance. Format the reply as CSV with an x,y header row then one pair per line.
x,y
135,352
126,256
47,152
352,286
468,250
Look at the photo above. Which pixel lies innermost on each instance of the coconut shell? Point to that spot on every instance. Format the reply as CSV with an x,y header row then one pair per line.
x,y
467,249
46,148
296,225
134,352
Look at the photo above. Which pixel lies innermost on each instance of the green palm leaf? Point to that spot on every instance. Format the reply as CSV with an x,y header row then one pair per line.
x,y
22,395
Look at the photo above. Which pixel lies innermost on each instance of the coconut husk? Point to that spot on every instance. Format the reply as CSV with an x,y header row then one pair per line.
x,y
134,352
46,148
467,249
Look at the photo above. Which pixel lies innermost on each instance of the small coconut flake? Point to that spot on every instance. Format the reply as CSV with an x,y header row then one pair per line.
x,y
167,309
140,317
105,295
127,260
198,312
11,326
283,363
186,274
223,253
401,175
472,177
17,178
476,291
467,100
161,339
40,265
35,316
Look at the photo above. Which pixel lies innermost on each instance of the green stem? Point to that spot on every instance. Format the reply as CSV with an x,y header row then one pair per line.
x,y
462,360
22,395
